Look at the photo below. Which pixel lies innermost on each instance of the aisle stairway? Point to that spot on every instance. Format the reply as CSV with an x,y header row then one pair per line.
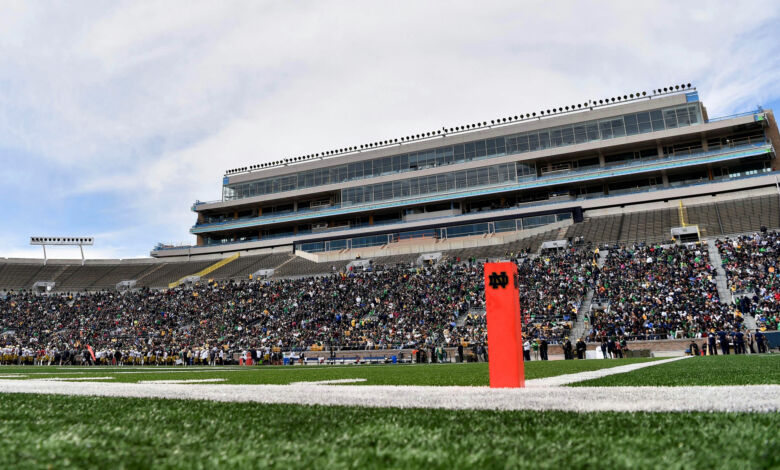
x,y
580,326
722,282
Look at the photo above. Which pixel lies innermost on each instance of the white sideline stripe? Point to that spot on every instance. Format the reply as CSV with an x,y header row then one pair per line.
x,y
330,382
70,379
186,381
560,380
748,398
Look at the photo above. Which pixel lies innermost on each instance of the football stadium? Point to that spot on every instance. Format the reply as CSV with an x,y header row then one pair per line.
x,y
337,309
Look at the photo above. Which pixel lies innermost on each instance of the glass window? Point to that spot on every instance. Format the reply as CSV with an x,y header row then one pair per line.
x,y
567,133
450,181
459,153
533,142
605,128
682,117
631,125
693,113
493,175
643,122
670,119
580,133
657,118
544,140
461,180
500,146
470,151
618,129
522,143
479,148
593,131
505,225
490,147
555,138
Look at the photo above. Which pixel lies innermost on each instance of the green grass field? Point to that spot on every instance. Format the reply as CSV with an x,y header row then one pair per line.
x,y
80,432
470,374
707,370
53,431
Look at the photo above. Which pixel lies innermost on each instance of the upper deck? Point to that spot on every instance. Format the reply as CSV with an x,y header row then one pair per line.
x,y
579,129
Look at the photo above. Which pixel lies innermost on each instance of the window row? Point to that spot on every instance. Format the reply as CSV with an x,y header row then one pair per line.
x,y
620,126
445,182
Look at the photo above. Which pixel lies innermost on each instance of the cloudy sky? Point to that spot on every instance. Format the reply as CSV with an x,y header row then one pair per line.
x,y
116,116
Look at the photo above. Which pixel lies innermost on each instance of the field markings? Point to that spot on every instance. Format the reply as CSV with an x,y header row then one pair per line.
x,y
540,394
185,381
560,380
70,379
330,382
746,398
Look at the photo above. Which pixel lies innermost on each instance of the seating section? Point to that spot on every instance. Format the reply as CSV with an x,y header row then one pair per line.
x,y
170,272
751,263
748,215
707,217
598,229
302,267
725,217
552,286
244,266
656,292
649,226
18,276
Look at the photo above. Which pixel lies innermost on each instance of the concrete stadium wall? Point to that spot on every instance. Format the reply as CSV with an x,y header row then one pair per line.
x,y
423,246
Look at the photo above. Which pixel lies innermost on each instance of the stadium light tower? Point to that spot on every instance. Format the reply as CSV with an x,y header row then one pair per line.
x,y
67,241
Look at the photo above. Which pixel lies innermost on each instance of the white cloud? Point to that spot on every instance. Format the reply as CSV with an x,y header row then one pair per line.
x,y
152,102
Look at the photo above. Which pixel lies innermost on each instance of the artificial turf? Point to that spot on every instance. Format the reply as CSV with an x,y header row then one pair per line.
x,y
469,374
42,431
751,369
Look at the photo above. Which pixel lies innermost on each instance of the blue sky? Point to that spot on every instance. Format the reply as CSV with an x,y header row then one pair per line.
x,y
116,116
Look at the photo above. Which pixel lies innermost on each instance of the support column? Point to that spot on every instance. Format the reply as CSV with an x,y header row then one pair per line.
x,y
665,179
602,163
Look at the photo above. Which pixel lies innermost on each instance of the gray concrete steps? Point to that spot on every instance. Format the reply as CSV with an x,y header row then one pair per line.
x,y
721,280
580,326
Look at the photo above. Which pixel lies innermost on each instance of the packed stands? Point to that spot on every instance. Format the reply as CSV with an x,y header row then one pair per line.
x,y
659,292
751,264
551,289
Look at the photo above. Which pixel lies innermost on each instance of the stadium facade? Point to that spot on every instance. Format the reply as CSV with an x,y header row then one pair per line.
x,y
506,175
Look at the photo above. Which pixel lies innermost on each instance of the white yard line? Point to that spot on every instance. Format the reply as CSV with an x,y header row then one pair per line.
x,y
70,379
750,398
330,382
560,380
186,381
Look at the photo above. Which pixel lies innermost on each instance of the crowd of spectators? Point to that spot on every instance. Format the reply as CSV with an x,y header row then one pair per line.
x,y
552,287
650,292
389,308
753,271
659,292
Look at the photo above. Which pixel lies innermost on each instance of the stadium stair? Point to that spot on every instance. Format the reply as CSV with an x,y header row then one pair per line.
x,y
206,271
722,282
750,322
578,331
